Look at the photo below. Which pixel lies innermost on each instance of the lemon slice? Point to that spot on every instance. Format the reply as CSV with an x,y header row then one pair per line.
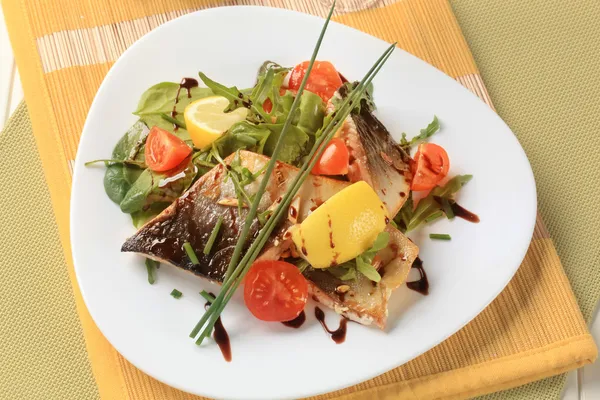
x,y
206,119
341,228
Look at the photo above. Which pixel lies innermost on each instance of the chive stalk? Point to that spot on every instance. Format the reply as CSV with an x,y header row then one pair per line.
x,y
213,236
447,208
434,216
190,253
151,269
209,297
176,293
440,236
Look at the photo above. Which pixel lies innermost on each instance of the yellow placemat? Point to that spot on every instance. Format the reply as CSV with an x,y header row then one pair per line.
x,y
64,49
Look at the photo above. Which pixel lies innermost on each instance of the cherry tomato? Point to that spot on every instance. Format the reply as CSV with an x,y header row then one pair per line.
x,y
430,166
334,160
164,151
275,291
323,80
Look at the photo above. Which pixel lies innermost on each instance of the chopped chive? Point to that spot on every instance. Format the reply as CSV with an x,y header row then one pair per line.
x,y
439,236
447,208
190,253
264,216
209,297
151,266
213,236
434,216
176,293
302,265
172,120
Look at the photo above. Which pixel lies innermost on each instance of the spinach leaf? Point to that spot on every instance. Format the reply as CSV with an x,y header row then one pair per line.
x,y
139,218
158,187
119,177
161,98
115,183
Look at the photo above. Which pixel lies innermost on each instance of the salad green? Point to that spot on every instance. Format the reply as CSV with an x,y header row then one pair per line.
x,y
144,193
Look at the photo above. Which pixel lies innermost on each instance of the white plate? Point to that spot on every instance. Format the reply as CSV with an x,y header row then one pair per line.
x,y
151,329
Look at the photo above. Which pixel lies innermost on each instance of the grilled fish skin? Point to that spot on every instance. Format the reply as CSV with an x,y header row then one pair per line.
x,y
374,156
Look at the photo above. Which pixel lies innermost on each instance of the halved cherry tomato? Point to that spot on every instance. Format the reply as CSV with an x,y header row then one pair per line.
x,y
275,291
430,166
164,151
323,80
334,160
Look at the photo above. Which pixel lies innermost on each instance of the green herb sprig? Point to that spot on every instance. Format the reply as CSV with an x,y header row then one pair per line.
x,y
151,267
213,236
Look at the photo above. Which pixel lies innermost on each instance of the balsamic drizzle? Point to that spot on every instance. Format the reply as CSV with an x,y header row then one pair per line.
x,y
422,284
220,335
296,322
339,335
187,84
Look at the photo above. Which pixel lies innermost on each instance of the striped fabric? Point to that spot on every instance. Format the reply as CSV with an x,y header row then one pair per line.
x,y
64,49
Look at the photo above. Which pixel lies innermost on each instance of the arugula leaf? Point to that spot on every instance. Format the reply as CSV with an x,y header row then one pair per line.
x,y
367,269
233,94
363,263
345,271
429,205
157,187
424,134
380,242
244,135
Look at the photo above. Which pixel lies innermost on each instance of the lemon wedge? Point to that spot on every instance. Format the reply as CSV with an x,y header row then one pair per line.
x,y
206,119
343,227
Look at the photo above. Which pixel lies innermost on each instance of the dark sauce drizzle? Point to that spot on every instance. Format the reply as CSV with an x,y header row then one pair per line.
x,y
422,284
339,335
187,84
459,211
296,322
463,213
221,337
